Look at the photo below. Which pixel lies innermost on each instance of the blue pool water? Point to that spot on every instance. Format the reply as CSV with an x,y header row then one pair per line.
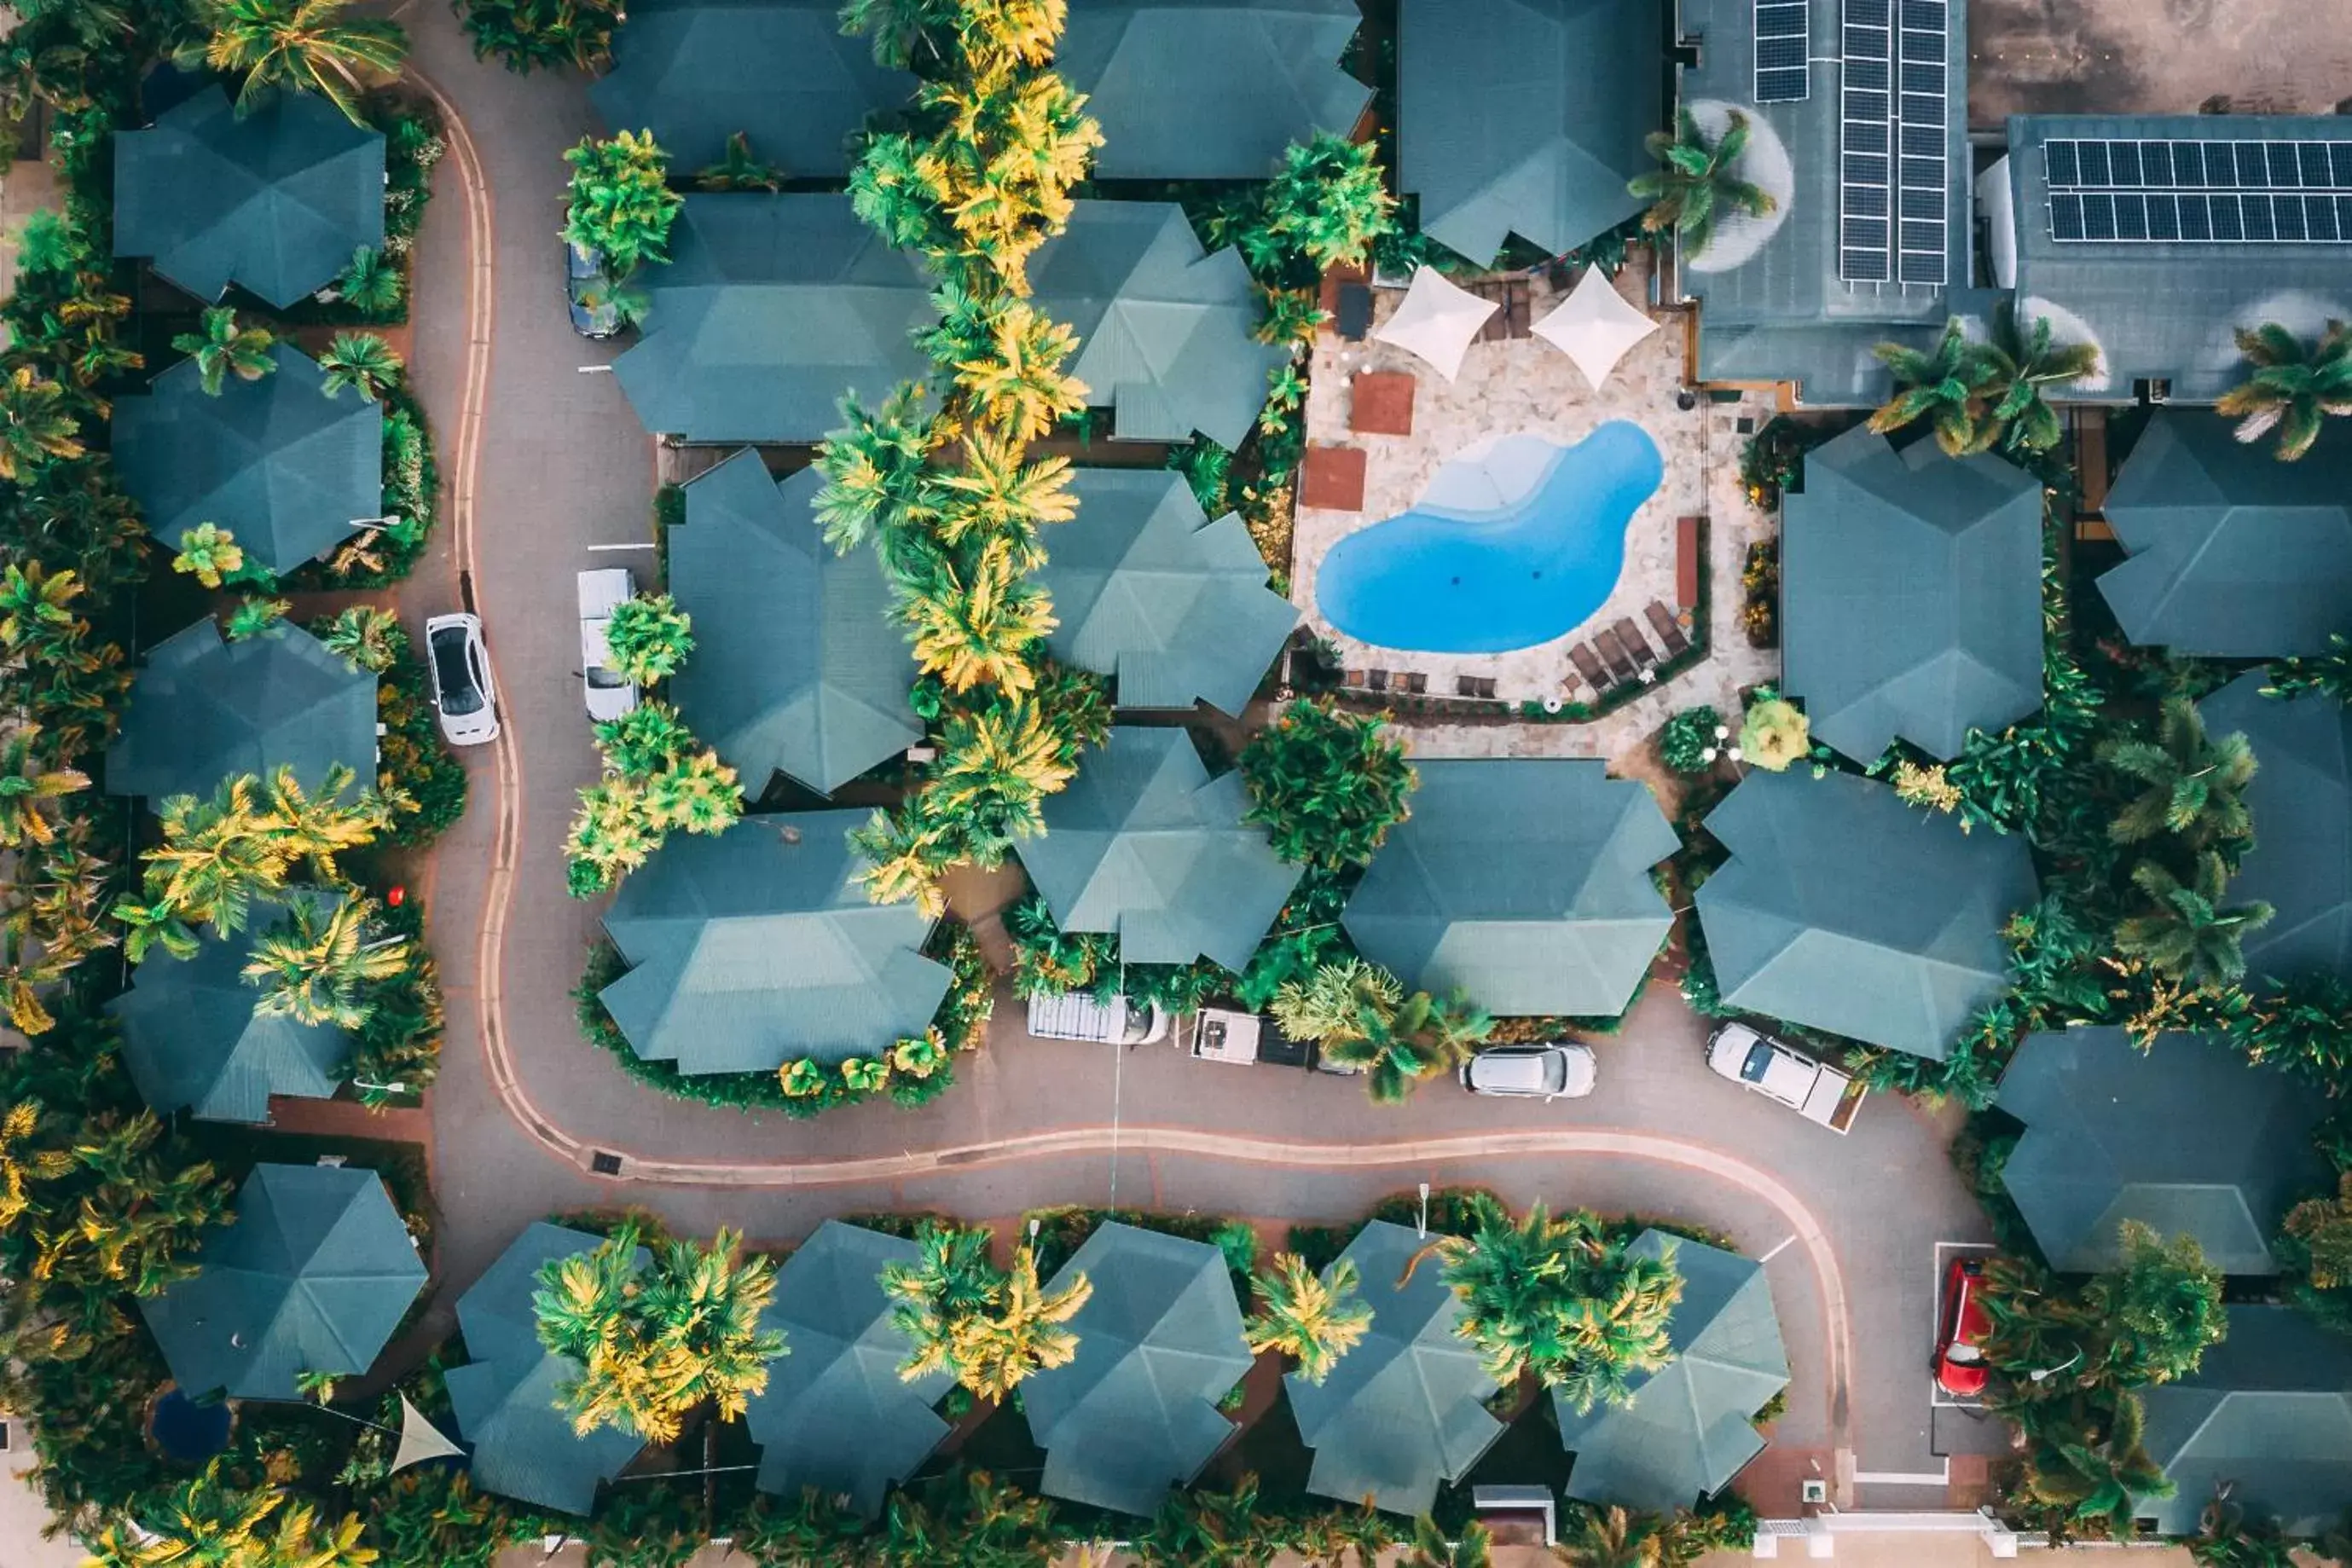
x,y
1437,580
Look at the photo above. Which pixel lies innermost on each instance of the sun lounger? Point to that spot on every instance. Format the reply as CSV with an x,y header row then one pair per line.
x,y
1612,648
1669,631
1588,665
1413,682
1354,678
1636,644
1376,681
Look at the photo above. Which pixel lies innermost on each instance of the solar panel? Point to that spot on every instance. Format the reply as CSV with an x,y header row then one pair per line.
x,y
1784,41
2200,193
1893,114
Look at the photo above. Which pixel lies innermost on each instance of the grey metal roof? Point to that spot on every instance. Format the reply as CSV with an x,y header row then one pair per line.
x,y
1523,881
276,462
2234,554
836,1416
1783,313
274,201
1689,1428
1843,909
205,709
1160,1342
1911,595
2301,799
758,946
505,1396
1404,1410
192,1041
1209,90
2168,310
695,72
798,665
1145,845
2270,1412
312,1275
2188,1136
1526,117
1149,592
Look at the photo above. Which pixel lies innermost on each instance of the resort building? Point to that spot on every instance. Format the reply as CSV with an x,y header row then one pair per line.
x,y
203,709
2300,862
2267,1416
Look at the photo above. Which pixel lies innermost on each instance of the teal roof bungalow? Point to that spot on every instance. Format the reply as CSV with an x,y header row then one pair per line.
x,y
505,1396
758,946
2267,1414
1911,595
1843,909
312,1275
204,710
1160,1344
1690,1428
1144,845
1185,90
195,1039
2234,554
836,1416
1526,117
2187,1136
1405,1409
781,72
1524,881
1151,593
2300,862
799,666
286,468
274,201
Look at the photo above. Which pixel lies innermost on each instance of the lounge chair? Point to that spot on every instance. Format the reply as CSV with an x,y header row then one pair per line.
x,y
1669,631
1612,648
1589,666
1413,682
1636,644
1376,680
1353,678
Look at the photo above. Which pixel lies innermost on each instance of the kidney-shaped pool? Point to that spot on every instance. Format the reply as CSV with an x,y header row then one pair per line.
x,y
1506,550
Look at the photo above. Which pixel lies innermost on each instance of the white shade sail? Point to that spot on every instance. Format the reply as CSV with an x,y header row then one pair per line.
x,y
1436,321
1595,326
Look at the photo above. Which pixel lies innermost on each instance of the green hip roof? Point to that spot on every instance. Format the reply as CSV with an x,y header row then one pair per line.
x,y
2300,862
204,710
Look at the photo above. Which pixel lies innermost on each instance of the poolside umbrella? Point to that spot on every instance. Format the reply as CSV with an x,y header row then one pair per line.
x,y
1595,326
1492,475
1436,321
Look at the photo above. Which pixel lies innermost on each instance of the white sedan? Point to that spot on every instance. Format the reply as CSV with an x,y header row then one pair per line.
x,y
610,693
463,698
1560,1072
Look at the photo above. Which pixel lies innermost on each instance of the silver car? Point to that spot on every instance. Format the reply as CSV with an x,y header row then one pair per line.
x,y
610,693
463,698
1555,1071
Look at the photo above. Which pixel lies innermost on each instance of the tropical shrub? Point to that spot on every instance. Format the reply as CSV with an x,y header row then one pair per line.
x,y
524,34
308,45
619,204
1774,732
1688,743
1361,1017
1326,786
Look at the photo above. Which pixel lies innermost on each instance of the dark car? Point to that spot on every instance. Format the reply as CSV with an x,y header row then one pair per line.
x,y
589,293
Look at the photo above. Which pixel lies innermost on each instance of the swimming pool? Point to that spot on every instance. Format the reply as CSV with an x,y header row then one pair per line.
x,y
1513,546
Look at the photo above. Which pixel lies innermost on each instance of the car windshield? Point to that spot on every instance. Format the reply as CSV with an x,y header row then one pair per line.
x,y
604,680
451,675
1760,1061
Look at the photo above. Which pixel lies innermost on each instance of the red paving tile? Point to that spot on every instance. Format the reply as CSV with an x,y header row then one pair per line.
x,y
1380,402
1333,478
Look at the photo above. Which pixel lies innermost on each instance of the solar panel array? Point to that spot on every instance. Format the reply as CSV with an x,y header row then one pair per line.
x,y
1893,112
2199,193
1784,44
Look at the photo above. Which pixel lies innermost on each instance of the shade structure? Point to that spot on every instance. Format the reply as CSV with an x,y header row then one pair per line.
x,y
1595,326
2268,1413
420,1440
505,1396
205,709
2300,862
1160,1344
1405,1409
836,1416
2187,1136
1492,475
312,1275
1437,320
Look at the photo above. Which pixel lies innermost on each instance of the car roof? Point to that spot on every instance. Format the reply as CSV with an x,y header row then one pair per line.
x,y
1515,1067
603,588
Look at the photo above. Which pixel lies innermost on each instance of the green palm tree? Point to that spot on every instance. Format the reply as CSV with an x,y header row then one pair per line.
x,y
1328,203
877,470
643,741
699,794
217,857
1697,181
1426,1036
975,626
1618,1327
650,637
951,1281
36,422
2089,1458
307,45
619,204
2193,786
2185,933
612,834
899,190
370,284
2293,389
2025,368
36,607
736,170
1313,1319
995,767
1429,1548
210,553
1014,381
1611,1537
1326,786
1949,388
30,782
224,349
365,637
206,1522
359,359
997,494
1024,1333
255,615
903,31
317,962
906,853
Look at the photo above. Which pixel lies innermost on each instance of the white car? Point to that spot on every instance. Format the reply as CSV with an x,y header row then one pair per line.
x,y
610,693
1074,1015
463,698
1557,1071
1778,1071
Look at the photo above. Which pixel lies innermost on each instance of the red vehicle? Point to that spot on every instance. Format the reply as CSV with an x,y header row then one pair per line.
x,y
1960,1368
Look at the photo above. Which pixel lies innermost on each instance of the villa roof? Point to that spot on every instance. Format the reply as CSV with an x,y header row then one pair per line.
x,y
2300,862
194,1038
2167,310
1843,909
1911,594
2188,1136
782,72
1690,1428
204,710
798,665
276,462
1526,117
505,1396
1144,844
836,1416
1405,1409
1209,90
274,200
1523,881
2269,1412
1148,592
312,1275
1160,1342
2234,554
758,946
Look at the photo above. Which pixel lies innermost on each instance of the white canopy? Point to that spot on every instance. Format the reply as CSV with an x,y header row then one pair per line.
x,y
1595,326
1491,476
1436,321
